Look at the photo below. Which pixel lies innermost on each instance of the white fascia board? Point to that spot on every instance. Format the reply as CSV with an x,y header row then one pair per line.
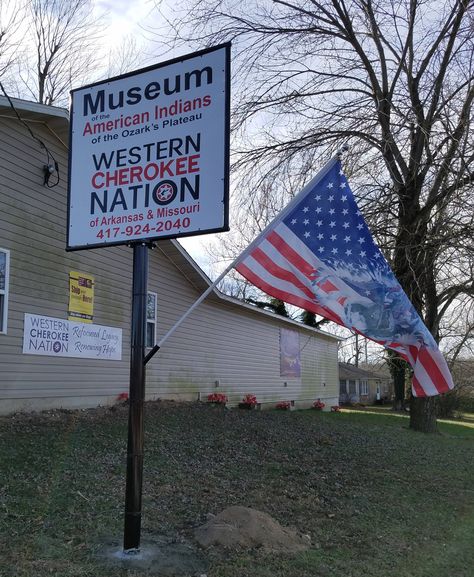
x,y
34,107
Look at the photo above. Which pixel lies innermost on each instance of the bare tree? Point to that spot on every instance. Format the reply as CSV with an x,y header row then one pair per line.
x,y
125,57
62,48
396,79
10,20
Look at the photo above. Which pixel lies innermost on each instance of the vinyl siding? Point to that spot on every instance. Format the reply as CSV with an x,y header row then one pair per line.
x,y
33,228
229,343
220,341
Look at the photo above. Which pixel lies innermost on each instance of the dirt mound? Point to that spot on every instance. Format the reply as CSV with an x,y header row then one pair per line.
x,y
247,528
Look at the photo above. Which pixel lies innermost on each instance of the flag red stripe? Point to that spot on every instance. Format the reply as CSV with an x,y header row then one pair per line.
x,y
413,352
290,254
245,271
279,272
327,286
417,388
431,367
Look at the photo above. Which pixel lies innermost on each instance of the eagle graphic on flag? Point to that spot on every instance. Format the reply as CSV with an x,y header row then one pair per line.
x,y
319,255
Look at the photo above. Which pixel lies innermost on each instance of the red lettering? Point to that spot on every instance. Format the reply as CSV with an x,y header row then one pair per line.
x,y
166,168
181,165
136,174
151,171
193,164
95,183
123,176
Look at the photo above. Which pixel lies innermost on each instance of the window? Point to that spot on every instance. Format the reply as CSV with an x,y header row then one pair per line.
x,y
4,274
352,387
342,387
364,387
151,299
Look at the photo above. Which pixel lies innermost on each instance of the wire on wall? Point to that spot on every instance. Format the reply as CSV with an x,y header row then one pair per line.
x,y
51,165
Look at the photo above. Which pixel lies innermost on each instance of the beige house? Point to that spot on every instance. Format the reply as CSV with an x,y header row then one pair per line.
x,y
358,385
225,346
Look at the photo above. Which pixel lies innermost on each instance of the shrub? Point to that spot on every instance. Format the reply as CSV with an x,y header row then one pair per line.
x,y
319,405
250,400
283,405
217,398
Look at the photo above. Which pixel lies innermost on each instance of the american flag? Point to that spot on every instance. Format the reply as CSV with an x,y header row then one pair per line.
x,y
319,255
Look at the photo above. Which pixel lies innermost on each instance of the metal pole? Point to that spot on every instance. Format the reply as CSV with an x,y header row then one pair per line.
x,y
133,489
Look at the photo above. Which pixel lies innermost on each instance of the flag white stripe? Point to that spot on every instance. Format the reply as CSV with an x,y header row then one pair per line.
x,y
280,260
424,378
440,361
277,283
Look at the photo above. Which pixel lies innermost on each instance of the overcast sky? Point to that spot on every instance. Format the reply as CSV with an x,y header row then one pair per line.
x,y
124,16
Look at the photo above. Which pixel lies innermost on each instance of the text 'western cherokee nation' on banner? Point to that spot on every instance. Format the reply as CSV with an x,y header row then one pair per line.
x,y
318,254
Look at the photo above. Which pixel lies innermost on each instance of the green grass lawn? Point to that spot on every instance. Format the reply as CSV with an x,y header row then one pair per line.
x,y
377,499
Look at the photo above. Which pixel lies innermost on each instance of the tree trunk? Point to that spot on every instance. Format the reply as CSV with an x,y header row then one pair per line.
x,y
423,414
413,268
399,387
397,368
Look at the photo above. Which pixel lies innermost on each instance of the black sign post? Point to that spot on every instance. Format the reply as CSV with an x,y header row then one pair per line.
x,y
133,489
165,131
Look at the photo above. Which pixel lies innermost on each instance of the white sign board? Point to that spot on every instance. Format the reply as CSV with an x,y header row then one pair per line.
x,y
149,153
61,338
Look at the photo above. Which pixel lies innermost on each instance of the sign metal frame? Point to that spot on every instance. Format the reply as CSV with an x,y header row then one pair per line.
x,y
224,170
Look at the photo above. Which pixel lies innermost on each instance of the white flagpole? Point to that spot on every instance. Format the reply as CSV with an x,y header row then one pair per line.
x,y
197,303
289,207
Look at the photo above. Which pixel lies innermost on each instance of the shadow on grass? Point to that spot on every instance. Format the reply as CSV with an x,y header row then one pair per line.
x,y
460,427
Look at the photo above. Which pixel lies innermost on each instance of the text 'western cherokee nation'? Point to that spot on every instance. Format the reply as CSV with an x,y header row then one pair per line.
x,y
147,176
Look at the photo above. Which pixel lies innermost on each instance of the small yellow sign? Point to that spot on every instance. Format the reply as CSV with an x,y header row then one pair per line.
x,y
81,297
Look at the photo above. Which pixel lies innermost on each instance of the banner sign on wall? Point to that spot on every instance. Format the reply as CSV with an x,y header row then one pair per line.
x,y
61,338
290,362
81,297
149,154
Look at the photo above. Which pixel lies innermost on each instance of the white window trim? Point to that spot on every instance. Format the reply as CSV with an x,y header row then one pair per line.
x,y
153,322
5,292
364,387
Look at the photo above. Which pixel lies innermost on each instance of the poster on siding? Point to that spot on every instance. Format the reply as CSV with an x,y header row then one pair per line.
x,y
290,363
60,338
149,155
81,297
